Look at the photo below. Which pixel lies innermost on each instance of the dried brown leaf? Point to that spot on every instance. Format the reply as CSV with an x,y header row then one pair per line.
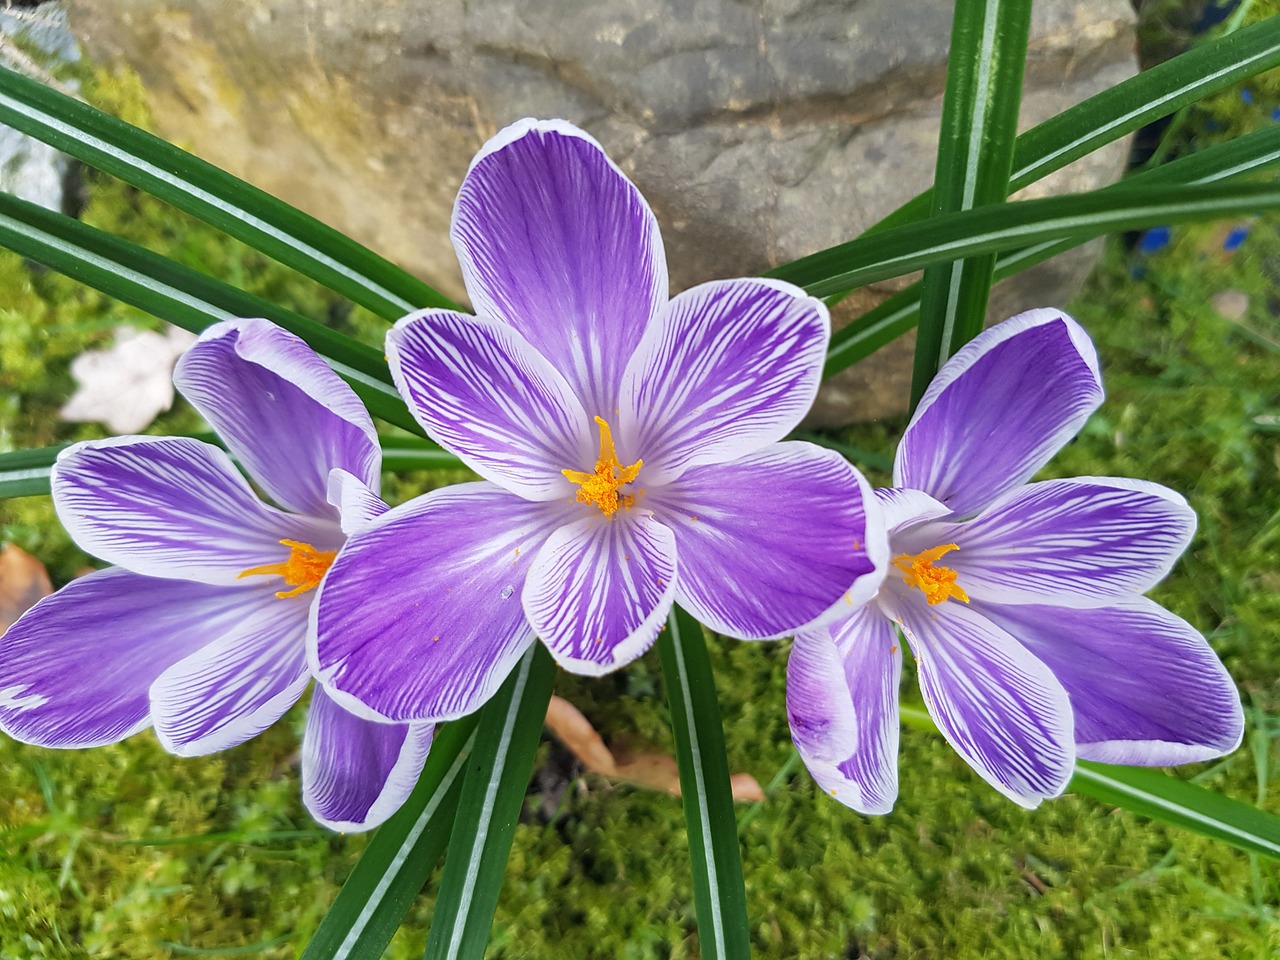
x,y
23,581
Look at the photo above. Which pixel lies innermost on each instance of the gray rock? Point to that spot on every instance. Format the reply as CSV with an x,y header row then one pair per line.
x,y
760,132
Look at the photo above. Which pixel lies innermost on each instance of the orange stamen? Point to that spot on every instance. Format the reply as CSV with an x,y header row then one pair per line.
x,y
601,487
303,570
936,583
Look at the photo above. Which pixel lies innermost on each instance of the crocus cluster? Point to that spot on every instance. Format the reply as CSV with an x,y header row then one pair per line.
x,y
632,456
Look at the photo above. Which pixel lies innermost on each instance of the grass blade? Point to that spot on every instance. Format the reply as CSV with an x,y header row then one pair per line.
x,y
719,895
975,154
213,195
492,794
372,903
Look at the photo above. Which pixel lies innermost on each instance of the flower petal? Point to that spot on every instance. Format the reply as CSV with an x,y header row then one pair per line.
x,y
76,667
1145,687
480,390
786,537
1085,542
842,704
600,590
729,367
358,506
999,410
1000,707
419,618
555,240
283,413
173,507
903,507
355,772
239,683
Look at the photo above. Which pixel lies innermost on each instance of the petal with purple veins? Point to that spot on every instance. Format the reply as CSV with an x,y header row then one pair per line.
x,y
357,505
730,367
904,507
554,240
999,410
283,413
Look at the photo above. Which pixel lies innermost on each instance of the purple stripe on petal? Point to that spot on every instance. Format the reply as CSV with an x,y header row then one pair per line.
x,y
1084,542
76,667
283,413
1145,687
554,240
355,772
419,618
600,590
358,506
730,367
903,507
173,507
997,705
999,410
859,670
238,684
780,539
480,390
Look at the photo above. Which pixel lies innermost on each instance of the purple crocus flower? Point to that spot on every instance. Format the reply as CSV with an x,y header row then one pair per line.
x,y
628,445
1022,602
199,629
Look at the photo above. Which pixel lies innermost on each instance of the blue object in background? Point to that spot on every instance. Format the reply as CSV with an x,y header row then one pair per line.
x,y
1235,238
1246,96
1155,239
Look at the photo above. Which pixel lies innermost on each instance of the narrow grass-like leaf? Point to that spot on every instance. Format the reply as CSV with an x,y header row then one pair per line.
x,y
1008,226
719,896
185,297
975,155
1248,154
213,195
1159,796
391,871
492,794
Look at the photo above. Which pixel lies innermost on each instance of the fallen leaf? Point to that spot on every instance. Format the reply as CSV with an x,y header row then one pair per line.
x,y
23,581
654,771
126,385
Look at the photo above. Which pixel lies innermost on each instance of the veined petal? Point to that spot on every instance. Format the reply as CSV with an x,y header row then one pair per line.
x,y
999,410
777,540
282,412
1084,542
729,367
555,240
842,704
76,667
1145,687
173,507
481,391
357,505
997,705
419,618
239,683
355,772
600,590
903,507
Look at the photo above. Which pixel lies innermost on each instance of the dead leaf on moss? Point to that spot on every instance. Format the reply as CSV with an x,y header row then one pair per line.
x,y
23,581
128,384
653,771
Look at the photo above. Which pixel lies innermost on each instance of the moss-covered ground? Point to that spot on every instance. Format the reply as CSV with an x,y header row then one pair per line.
x,y
126,852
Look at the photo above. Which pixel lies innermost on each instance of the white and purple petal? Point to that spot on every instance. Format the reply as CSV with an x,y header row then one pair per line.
x,y
1084,542
842,705
75,668
999,410
730,367
173,507
903,507
600,590
356,772
419,618
555,240
239,683
357,505
283,413
1145,686
1001,709
481,391
786,537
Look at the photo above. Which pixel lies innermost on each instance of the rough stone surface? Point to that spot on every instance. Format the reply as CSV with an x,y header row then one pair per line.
x,y
760,132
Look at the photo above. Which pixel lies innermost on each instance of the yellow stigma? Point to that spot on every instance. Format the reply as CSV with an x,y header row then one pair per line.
x,y
936,583
303,570
601,487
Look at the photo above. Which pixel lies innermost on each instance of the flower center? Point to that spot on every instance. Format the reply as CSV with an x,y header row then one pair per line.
x,y
936,583
303,570
601,487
